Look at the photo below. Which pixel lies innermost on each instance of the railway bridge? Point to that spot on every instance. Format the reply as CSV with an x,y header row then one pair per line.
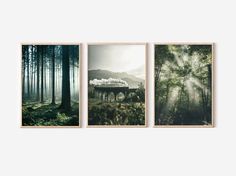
x,y
103,92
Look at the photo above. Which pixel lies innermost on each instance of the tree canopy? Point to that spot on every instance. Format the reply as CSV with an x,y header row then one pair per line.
x,y
183,84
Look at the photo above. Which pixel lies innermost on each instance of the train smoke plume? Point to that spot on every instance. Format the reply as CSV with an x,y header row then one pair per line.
x,y
98,82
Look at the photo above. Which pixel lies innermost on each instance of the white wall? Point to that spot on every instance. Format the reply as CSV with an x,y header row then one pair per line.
x,y
106,152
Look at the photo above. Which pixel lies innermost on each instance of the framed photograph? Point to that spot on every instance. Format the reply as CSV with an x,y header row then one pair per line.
x,y
183,85
117,85
50,85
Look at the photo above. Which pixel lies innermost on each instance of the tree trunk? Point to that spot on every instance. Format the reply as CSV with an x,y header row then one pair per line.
x,y
28,85
42,51
209,76
32,70
210,92
34,67
203,104
45,74
23,74
167,92
73,70
56,75
38,62
65,103
53,75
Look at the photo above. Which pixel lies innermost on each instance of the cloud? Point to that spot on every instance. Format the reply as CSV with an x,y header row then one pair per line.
x,y
107,82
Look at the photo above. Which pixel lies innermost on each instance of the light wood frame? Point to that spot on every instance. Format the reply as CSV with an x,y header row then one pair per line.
x,y
146,84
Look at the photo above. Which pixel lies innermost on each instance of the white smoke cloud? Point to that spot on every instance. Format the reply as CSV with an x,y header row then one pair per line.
x,y
107,81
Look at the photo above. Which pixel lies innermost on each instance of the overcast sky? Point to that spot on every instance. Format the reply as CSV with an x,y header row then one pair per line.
x,y
117,58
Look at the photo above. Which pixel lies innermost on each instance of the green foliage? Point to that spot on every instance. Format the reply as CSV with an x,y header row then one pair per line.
x,y
36,114
203,50
141,93
183,84
162,51
116,113
62,118
131,111
137,96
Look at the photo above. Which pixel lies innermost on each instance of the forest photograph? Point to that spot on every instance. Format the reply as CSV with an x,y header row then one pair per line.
x,y
50,85
183,84
116,85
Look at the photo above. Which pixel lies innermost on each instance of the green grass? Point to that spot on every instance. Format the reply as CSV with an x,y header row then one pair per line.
x,y
38,114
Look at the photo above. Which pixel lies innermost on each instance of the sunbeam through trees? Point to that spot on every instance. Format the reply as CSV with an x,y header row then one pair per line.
x,y
183,84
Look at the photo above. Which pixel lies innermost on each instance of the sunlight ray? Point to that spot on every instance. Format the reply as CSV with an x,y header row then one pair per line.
x,y
197,83
176,54
193,94
178,59
172,97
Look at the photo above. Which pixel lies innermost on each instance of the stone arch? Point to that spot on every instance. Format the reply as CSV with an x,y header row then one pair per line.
x,y
105,93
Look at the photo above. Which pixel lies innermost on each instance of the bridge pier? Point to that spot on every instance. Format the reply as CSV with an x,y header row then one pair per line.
x,y
104,93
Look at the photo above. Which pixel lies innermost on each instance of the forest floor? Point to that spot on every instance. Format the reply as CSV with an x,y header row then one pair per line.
x,y
46,114
115,113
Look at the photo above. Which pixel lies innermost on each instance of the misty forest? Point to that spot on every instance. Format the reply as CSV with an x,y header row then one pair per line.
x,y
115,98
183,84
50,85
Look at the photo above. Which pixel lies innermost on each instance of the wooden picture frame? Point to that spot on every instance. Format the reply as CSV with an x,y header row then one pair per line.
x,y
145,86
